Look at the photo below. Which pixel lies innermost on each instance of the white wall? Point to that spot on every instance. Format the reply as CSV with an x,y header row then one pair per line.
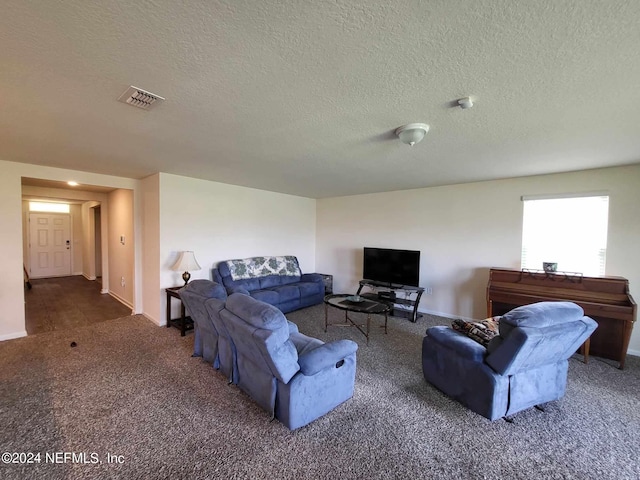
x,y
121,255
220,222
463,230
11,248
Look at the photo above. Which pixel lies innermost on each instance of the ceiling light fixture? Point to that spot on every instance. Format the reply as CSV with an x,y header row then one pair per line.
x,y
465,103
72,183
412,133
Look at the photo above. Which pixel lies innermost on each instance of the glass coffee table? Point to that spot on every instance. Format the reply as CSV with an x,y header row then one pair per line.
x,y
357,304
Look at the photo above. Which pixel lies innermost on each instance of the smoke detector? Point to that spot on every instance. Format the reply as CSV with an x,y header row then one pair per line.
x,y
140,98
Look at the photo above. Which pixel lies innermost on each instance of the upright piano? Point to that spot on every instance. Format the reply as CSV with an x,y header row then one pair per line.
x,y
605,299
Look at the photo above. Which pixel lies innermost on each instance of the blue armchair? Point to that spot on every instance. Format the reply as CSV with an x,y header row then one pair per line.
x,y
294,377
524,366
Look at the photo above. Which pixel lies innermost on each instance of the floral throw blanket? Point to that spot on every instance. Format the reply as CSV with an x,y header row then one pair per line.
x,y
255,267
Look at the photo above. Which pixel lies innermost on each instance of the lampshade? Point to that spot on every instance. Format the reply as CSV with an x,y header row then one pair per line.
x,y
186,261
412,133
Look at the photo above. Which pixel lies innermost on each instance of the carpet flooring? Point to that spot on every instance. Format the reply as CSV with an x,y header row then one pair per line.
x,y
130,392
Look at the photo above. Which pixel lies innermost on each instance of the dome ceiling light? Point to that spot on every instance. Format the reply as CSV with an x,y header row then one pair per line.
x,y
412,133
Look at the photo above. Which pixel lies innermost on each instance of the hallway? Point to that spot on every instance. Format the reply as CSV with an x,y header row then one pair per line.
x,y
68,302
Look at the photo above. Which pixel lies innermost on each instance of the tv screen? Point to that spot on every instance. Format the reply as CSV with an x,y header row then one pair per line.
x,y
386,265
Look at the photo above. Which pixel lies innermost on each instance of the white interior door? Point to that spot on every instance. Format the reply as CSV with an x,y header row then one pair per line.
x,y
49,245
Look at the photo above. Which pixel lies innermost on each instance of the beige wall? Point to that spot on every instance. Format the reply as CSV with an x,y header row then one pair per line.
x,y
150,261
219,222
76,242
463,230
12,278
121,244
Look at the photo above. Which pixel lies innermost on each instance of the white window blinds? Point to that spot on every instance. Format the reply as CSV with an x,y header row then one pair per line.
x,y
570,231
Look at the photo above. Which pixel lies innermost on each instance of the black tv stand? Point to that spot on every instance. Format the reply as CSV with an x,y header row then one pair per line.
x,y
390,296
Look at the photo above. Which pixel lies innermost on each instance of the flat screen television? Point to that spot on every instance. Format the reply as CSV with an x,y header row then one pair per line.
x,y
386,265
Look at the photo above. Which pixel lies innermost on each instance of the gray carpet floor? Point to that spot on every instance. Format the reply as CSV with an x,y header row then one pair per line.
x,y
131,389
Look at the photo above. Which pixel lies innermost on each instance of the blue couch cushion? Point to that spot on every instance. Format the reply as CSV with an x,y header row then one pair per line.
x,y
268,296
308,289
287,293
271,281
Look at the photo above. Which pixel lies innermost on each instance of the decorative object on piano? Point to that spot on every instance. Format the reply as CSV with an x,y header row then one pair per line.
x,y
550,267
561,276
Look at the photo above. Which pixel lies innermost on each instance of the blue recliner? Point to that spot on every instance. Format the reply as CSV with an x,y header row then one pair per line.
x,y
294,377
525,366
194,295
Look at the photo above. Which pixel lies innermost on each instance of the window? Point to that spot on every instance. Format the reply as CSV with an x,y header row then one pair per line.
x,y
48,207
570,231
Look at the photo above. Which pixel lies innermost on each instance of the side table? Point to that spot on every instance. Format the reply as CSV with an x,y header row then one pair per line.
x,y
184,323
328,283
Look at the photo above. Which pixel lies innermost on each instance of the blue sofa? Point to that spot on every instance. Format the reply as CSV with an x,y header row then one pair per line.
x,y
524,366
277,281
294,377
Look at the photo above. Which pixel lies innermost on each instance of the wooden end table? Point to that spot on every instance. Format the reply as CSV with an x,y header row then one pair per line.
x,y
184,323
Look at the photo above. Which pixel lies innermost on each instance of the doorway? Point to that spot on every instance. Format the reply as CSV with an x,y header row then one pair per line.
x,y
49,244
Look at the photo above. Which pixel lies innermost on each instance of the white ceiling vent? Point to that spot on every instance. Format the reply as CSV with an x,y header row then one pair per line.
x,y
140,98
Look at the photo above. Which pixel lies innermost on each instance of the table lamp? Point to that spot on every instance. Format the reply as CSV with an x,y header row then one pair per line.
x,y
186,261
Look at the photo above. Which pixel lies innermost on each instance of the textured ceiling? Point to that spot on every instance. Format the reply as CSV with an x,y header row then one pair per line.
x,y
303,97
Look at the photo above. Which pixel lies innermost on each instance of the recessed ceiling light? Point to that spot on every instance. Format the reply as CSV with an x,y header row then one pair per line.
x,y
72,183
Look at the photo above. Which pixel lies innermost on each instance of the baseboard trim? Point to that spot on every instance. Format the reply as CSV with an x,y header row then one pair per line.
x,y
445,315
121,300
154,320
104,290
11,336
88,277
635,353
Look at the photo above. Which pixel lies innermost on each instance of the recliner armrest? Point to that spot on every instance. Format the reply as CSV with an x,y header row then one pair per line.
x,y
325,356
311,277
457,342
242,290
